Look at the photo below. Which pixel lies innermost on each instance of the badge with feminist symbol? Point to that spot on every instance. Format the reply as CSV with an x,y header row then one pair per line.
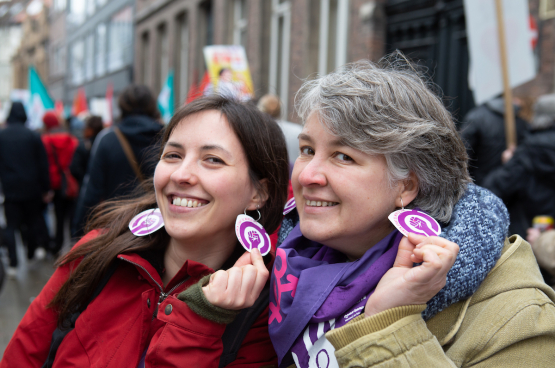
x,y
146,222
252,235
416,222
289,206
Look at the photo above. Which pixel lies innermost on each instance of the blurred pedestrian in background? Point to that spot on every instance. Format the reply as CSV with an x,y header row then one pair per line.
x,y
25,182
271,105
526,182
60,147
78,167
124,156
483,133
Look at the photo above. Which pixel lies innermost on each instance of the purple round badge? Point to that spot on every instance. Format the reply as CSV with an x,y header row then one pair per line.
x,y
289,206
416,222
252,235
146,222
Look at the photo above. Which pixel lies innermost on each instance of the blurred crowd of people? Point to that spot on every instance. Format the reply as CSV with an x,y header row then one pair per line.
x,y
522,176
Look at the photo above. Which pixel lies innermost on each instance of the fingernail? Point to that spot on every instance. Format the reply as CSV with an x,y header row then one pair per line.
x,y
256,250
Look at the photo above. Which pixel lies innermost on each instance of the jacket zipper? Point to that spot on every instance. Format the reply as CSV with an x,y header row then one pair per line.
x,y
163,295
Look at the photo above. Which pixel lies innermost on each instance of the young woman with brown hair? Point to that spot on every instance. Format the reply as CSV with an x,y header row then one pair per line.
x,y
164,305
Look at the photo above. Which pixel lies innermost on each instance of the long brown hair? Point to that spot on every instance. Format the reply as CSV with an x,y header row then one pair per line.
x,y
264,146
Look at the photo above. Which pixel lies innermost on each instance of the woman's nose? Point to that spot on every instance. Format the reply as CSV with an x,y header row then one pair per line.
x,y
185,174
313,173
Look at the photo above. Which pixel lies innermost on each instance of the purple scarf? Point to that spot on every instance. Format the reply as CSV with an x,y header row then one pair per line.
x,y
313,284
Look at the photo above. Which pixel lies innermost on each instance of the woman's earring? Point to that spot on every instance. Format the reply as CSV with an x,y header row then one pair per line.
x,y
251,234
414,221
146,222
289,206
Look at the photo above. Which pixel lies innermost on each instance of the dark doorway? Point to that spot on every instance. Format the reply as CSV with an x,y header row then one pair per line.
x,y
433,33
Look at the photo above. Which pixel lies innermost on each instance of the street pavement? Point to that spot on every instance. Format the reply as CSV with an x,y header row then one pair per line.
x,y
17,294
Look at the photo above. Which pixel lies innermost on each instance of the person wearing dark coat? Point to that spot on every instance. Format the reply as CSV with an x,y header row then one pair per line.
x,y
78,167
25,182
526,183
483,133
109,172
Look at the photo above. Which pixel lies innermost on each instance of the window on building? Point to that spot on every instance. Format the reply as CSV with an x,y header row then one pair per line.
x,y
163,56
334,28
240,23
90,7
205,33
100,63
100,3
145,58
89,57
182,62
59,5
77,62
77,12
279,51
120,43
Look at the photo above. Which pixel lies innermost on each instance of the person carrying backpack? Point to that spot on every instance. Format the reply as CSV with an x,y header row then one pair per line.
x,y
162,280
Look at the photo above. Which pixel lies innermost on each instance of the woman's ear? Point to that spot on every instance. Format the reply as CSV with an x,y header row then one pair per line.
x,y
409,191
260,196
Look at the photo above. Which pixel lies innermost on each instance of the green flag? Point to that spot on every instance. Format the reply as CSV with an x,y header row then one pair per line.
x,y
39,100
165,99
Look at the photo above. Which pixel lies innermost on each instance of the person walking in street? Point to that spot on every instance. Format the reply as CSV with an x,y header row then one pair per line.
x,y
78,167
26,185
483,133
124,156
526,182
60,147
176,289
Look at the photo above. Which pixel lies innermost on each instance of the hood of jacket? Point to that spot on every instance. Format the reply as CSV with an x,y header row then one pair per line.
x,y
17,114
479,226
139,129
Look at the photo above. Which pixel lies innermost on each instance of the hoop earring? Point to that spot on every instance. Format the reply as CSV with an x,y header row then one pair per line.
x,y
251,234
259,215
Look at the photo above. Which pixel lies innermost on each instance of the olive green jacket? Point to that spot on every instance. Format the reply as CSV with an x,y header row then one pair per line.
x,y
508,322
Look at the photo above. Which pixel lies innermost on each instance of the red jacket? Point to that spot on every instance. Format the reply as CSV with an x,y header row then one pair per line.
x,y
118,325
64,144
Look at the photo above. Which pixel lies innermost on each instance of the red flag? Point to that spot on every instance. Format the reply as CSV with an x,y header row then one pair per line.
x,y
59,108
79,103
197,91
109,98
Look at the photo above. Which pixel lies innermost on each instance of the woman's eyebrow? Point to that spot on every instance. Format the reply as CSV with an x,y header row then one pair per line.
x,y
210,147
175,145
334,143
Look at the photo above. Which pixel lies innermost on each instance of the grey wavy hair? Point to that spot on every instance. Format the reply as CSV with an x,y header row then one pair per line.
x,y
389,109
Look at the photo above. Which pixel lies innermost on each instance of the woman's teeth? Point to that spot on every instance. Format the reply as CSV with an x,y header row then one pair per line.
x,y
184,202
320,204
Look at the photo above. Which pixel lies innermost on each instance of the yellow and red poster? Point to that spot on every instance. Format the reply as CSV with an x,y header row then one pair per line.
x,y
229,72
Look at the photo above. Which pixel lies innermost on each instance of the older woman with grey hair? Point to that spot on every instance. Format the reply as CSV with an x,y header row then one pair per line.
x,y
380,158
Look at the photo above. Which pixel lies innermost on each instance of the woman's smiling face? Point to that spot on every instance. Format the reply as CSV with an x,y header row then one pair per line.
x,y
202,181
343,195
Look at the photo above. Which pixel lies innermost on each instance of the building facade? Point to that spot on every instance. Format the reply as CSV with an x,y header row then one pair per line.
x,y
33,50
99,41
57,50
11,16
285,41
